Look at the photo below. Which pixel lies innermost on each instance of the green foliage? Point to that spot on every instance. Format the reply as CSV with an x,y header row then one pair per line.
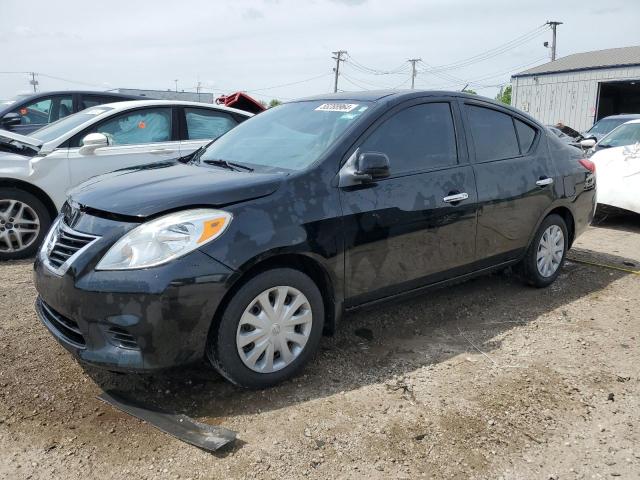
x,y
504,95
274,103
468,90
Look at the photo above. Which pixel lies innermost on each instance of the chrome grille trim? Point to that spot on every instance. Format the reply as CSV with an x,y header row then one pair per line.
x,y
63,245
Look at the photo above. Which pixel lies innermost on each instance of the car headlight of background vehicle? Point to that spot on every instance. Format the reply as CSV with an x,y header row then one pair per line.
x,y
165,238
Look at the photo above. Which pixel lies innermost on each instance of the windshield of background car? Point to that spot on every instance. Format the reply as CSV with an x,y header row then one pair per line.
x,y
62,126
605,125
628,134
287,137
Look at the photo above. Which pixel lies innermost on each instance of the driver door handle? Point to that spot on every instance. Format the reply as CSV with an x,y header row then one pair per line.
x,y
456,197
544,181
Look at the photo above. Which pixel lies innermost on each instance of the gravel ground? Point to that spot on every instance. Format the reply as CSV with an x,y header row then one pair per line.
x,y
488,379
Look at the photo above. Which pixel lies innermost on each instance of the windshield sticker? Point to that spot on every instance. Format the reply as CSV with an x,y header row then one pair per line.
x,y
94,112
336,107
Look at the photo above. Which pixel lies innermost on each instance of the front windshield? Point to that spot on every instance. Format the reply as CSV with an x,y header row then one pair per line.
x,y
605,125
62,126
288,137
627,134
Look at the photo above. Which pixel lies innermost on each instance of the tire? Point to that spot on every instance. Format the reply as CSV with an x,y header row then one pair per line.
x,y
36,222
234,328
529,268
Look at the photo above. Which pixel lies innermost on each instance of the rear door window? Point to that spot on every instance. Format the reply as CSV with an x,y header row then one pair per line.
x,y
421,137
494,135
89,101
203,123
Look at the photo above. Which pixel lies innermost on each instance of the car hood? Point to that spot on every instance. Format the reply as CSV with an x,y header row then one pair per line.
x,y
8,137
148,190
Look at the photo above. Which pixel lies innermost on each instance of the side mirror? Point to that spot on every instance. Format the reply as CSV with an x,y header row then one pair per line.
x,y
588,143
11,119
92,142
371,166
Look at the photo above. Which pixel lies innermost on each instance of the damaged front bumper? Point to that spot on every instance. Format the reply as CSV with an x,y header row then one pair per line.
x,y
131,320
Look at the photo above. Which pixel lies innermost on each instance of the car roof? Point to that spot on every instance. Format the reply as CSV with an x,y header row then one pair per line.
x,y
397,96
630,116
374,95
118,106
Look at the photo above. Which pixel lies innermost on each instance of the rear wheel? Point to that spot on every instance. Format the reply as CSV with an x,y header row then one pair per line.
x,y
24,221
269,330
541,264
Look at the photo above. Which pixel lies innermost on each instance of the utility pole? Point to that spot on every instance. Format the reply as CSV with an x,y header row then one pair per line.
x,y
413,70
33,81
338,58
176,80
553,25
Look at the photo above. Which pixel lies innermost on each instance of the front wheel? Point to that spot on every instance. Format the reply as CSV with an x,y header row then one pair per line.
x,y
541,264
24,221
269,330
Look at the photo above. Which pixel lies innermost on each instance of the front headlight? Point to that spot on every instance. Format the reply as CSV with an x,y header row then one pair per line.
x,y
165,238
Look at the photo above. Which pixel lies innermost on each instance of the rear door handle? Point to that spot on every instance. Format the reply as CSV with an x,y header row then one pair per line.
x,y
160,151
456,197
544,181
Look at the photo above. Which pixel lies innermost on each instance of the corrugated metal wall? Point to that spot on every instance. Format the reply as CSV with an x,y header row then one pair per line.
x,y
569,98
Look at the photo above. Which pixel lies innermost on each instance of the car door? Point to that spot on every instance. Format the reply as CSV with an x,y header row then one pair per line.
x,y
42,111
201,125
137,137
418,225
515,177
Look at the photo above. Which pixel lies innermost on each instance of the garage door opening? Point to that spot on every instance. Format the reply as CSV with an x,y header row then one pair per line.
x,y
618,97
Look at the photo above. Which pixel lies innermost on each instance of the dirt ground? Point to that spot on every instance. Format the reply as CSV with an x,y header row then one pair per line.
x,y
489,379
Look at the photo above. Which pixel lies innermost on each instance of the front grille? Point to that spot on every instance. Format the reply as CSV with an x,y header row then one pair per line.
x,y
63,244
121,338
67,243
66,327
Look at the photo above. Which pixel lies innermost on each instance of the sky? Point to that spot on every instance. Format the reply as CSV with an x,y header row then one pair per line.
x,y
282,48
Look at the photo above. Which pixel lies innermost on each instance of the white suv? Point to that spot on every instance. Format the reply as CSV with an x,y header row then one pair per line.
x,y
37,171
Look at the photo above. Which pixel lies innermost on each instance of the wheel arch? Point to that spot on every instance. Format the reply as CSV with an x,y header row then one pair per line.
x,y
567,216
33,190
297,261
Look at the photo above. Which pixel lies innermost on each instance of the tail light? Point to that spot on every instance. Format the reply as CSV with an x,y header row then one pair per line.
x,y
588,164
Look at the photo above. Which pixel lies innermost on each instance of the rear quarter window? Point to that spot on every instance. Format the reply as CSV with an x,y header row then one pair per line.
x,y
526,135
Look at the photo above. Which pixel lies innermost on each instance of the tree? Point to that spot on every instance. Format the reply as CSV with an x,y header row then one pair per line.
x,y
504,95
274,103
468,90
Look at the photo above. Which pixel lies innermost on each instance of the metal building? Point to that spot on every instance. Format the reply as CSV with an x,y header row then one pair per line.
x,y
579,89
169,95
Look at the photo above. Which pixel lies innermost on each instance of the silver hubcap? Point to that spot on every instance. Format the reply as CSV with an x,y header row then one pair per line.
x,y
19,225
274,329
550,251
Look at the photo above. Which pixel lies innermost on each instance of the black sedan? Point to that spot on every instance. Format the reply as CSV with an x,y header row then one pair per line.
x,y
247,251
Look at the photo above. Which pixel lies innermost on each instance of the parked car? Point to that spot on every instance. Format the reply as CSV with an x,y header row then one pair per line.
x,y
617,158
27,113
247,253
626,134
36,171
605,125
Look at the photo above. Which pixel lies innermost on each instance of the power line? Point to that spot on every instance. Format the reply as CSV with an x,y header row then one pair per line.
x,y
291,83
499,50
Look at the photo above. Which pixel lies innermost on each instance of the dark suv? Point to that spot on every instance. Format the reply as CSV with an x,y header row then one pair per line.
x,y
27,113
246,251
